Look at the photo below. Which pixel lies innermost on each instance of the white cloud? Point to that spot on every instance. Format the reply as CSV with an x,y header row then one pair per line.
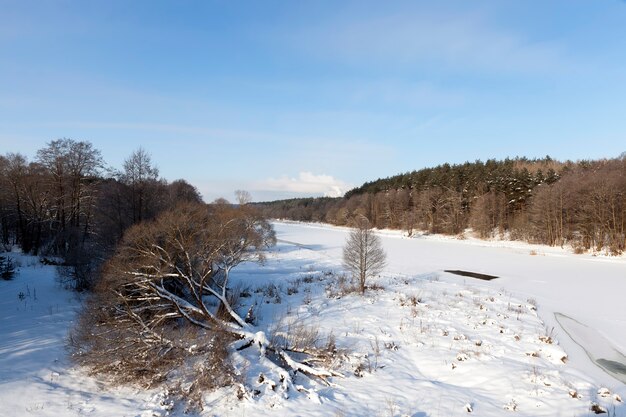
x,y
422,95
305,183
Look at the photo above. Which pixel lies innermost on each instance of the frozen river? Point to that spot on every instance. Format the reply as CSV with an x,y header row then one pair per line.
x,y
589,289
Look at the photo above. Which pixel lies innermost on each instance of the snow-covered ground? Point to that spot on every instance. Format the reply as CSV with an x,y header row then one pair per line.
x,y
588,288
36,377
429,344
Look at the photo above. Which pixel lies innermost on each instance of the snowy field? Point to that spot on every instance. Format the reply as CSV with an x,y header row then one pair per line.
x,y
429,343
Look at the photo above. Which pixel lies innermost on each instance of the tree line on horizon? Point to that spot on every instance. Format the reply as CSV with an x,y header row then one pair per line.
x,y
67,204
545,201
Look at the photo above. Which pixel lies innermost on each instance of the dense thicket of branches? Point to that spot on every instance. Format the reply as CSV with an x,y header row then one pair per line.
x,y
170,277
542,201
65,203
166,274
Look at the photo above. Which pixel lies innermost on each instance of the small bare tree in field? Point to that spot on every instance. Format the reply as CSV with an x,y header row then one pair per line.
x,y
243,197
363,254
165,294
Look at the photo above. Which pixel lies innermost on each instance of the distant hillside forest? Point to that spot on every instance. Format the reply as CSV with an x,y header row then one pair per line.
x,y
537,200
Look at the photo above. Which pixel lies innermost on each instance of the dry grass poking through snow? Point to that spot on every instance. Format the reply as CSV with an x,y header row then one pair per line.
x,y
416,346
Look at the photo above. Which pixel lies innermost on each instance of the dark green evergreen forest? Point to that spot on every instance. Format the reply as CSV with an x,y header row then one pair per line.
x,y
546,201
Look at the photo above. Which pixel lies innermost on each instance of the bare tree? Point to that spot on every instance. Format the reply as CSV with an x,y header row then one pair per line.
x,y
143,179
243,197
488,214
181,191
70,164
5,204
172,273
363,254
14,172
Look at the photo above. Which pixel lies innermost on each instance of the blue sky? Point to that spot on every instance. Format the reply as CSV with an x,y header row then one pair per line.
x,y
301,98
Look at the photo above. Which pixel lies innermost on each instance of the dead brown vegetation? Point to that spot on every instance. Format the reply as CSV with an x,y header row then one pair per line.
x,y
163,306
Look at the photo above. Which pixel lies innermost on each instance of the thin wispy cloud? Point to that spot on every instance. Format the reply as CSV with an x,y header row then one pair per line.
x,y
408,94
222,133
256,96
460,42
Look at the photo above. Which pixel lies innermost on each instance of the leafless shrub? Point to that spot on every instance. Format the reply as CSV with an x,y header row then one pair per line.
x,y
311,278
340,287
375,287
164,300
292,289
295,335
245,292
185,355
372,360
515,308
80,269
252,315
7,268
391,346
392,406
548,337
410,300
272,294
300,337
307,299
359,370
